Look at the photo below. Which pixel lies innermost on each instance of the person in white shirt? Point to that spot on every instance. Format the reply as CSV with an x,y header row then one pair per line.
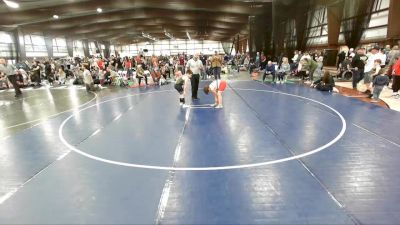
x,y
370,65
195,65
351,53
382,56
295,57
372,56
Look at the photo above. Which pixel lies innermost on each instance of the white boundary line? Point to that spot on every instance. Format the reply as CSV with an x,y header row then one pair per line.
x,y
168,184
165,168
48,117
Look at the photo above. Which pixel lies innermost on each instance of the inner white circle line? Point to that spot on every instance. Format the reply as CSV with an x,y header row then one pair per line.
x,y
336,139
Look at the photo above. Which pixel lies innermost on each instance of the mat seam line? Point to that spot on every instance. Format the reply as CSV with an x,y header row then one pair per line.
x,y
171,175
266,125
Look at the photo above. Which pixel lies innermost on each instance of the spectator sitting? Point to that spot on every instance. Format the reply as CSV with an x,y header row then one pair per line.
x,y
269,70
88,79
3,81
345,69
61,75
25,77
326,83
284,70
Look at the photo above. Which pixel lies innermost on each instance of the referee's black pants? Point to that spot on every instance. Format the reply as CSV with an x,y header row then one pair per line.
x,y
13,81
195,80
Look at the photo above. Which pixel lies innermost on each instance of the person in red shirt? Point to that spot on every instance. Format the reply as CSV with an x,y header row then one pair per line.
x,y
100,63
217,87
138,59
396,78
181,65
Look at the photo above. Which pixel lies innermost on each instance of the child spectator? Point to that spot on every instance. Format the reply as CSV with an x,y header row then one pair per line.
x,y
284,70
379,82
371,76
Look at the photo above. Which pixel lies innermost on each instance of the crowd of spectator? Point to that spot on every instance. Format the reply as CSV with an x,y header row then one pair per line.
x,y
364,66
94,72
369,67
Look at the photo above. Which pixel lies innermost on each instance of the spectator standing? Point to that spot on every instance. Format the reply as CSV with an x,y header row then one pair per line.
x,y
10,71
35,76
340,58
216,65
311,66
396,77
370,65
379,82
358,65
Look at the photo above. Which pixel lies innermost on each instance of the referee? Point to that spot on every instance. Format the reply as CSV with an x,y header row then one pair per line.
x,y
195,65
10,71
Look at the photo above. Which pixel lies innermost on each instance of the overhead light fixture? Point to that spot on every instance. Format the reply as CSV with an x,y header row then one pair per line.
x,y
148,36
56,16
188,36
99,10
168,35
11,4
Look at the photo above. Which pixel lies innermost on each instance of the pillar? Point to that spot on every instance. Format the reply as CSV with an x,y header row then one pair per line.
x,y
19,41
393,34
48,40
70,47
85,44
335,14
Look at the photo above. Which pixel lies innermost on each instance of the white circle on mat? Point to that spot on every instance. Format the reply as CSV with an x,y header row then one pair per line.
x,y
233,167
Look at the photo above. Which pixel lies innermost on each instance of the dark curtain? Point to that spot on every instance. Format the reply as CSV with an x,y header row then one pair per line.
x,y
261,32
291,20
357,14
70,47
98,49
237,44
49,46
85,44
302,21
106,49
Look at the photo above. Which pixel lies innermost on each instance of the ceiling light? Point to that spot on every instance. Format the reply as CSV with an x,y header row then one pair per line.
x,y
99,10
188,35
11,4
148,36
169,35
56,16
